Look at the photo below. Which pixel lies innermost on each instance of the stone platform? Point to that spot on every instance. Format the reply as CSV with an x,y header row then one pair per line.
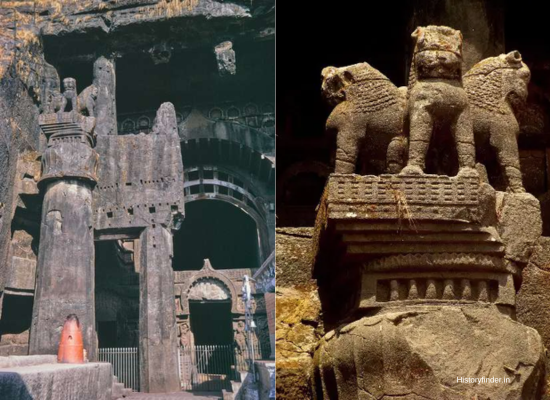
x,y
22,380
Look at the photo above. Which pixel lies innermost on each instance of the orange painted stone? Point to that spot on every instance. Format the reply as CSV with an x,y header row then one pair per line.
x,y
71,347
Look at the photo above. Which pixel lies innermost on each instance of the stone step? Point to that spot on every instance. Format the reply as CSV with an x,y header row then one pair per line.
x,y
174,396
119,391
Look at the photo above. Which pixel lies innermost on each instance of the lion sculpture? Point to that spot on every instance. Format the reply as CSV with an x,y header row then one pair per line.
x,y
83,103
495,86
374,118
367,118
436,98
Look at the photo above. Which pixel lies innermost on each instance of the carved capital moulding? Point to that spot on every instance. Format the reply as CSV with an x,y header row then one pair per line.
x,y
418,269
70,152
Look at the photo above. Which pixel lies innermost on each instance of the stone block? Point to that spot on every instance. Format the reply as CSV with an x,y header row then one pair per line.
x,y
57,382
519,224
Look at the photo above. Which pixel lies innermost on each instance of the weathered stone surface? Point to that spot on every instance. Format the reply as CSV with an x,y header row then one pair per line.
x,y
57,382
436,99
297,313
24,361
294,246
157,323
480,21
494,86
297,332
419,353
363,97
266,381
66,267
166,122
15,344
519,224
541,254
532,299
65,278
208,289
105,104
141,181
225,56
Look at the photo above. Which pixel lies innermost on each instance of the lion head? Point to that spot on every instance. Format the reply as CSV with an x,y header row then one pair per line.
x,y
437,54
69,84
337,81
497,79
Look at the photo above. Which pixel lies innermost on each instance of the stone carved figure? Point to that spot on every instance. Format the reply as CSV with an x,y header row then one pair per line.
x,y
187,339
51,95
69,94
239,337
436,97
367,115
85,101
188,361
494,86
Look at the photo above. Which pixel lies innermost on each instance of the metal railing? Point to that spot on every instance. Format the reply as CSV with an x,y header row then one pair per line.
x,y
202,368
207,368
243,356
124,364
212,367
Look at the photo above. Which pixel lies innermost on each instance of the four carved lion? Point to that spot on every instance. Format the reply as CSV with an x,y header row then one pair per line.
x,y
385,127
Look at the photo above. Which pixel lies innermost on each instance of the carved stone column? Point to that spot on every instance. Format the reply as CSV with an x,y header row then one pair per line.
x,y
157,321
105,107
65,269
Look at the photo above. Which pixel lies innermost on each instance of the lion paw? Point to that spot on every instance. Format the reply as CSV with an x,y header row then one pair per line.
x,y
412,170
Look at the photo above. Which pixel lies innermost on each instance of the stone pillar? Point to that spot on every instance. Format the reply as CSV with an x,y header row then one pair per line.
x,y
65,269
158,341
271,225
480,21
105,107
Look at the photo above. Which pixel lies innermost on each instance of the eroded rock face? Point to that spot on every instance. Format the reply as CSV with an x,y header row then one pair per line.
x,y
420,353
297,334
519,224
298,319
535,291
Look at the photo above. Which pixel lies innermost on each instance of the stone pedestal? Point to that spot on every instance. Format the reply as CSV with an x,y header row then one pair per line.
x,y
418,288
157,321
65,269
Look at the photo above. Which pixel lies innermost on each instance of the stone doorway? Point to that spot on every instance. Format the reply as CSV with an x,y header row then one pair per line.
x,y
211,322
207,362
116,295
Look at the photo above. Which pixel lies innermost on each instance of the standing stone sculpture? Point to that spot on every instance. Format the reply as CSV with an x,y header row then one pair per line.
x,y
418,273
87,99
83,103
187,345
494,86
436,98
239,337
367,118
69,95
